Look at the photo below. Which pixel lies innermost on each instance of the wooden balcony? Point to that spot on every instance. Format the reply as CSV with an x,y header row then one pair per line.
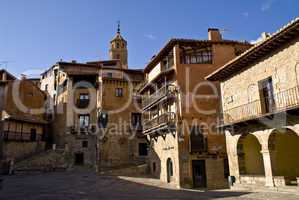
x,y
165,92
162,123
282,101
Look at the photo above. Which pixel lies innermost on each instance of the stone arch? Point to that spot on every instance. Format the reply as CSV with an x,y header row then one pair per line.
x,y
250,159
284,147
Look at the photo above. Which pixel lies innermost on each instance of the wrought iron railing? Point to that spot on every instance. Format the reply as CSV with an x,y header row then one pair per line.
x,y
165,119
280,101
159,94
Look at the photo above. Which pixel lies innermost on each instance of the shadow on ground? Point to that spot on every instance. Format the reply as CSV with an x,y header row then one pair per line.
x,y
87,185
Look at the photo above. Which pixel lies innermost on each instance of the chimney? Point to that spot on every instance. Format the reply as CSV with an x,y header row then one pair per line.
x,y
265,35
4,76
214,34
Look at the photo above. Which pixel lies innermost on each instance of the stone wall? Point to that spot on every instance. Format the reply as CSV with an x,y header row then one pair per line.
x,y
19,150
282,65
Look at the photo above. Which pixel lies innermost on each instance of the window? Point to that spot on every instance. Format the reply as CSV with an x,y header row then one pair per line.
x,y
46,87
143,149
84,96
83,100
136,120
84,121
119,92
197,140
117,45
117,56
197,57
109,75
154,167
266,92
33,134
85,144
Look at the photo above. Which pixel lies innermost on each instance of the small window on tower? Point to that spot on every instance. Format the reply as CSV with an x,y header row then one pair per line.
x,y
117,45
117,56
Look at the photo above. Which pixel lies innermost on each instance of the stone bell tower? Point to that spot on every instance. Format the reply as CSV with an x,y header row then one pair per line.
x,y
118,49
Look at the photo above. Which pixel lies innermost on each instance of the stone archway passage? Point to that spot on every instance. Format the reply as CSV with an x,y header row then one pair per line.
x,y
249,156
284,148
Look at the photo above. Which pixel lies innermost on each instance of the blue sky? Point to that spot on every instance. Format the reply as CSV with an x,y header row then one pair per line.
x,y
34,34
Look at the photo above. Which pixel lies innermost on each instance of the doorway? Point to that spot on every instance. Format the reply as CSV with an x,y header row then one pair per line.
x,y
169,170
267,95
199,174
79,159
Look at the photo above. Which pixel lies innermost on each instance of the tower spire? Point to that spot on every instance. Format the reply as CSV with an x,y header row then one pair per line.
x,y
118,27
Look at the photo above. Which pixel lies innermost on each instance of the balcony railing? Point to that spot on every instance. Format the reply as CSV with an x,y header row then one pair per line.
x,y
281,101
164,121
167,90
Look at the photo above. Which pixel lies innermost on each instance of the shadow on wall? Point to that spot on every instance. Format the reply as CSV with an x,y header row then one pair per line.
x,y
154,163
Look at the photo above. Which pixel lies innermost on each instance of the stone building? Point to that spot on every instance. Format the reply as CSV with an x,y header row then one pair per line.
x,y
260,99
184,150
22,120
93,95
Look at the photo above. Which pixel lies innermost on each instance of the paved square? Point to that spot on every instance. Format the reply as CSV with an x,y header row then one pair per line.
x,y
88,186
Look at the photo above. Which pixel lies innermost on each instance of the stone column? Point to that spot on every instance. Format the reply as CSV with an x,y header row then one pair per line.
x,y
70,103
268,167
232,154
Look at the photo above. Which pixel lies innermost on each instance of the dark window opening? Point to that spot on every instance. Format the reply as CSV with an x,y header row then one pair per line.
x,y
119,92
85,144
79,159
143,149
83,100
267,95
136,120
197,57
169,169
84,121
109,75
33,135
154,167
197,140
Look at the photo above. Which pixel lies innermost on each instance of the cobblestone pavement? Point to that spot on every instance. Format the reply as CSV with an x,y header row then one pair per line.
x,y
86,185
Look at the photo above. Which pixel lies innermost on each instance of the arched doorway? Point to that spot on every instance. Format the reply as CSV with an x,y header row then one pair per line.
x,y
169,165
284,148
249,156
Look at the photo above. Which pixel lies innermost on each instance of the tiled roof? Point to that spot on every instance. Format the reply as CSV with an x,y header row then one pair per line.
x,y
174,41
283,35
